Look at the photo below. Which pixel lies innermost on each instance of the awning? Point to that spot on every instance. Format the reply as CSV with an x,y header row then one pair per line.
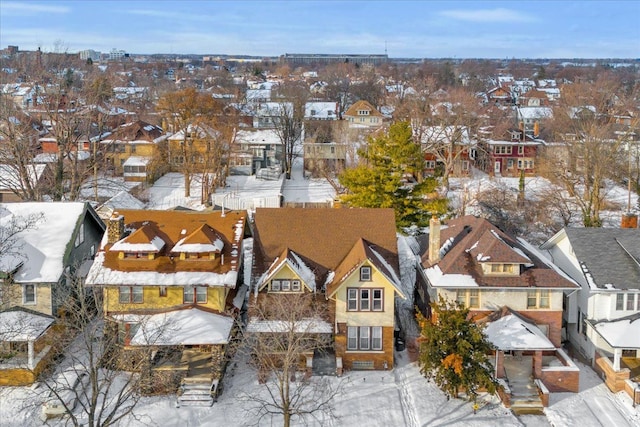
x,y
511,332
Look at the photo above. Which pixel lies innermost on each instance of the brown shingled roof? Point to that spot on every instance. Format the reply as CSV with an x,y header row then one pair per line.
x,y
470,239
362,105
325,236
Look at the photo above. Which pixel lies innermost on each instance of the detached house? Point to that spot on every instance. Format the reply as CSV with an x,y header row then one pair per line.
x,y
39,267
603,316
510,156
37,270
134,150
363,114
511,287
348,259
171,284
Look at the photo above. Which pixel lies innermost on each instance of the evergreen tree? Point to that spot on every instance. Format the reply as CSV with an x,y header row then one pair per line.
x,y
455,352
389,176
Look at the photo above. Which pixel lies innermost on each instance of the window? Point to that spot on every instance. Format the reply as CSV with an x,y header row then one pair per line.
x,y
29,294
631,299
468,297
80,236
365,274
525,164
285,285
163,291
520,149
627,301
465,165
197,294
502,149
365,299
364,338
333,150
538,298
377,300
130,294
430,164
352,299
503,268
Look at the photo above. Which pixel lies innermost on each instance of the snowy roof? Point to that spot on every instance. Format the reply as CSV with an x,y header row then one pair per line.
x,y
257,137
122,200
320,110
181,327
511,332
154,245
309,326
10,178
203,239
44,246
136,161
20,325
532,113
440,280
101,275
621,333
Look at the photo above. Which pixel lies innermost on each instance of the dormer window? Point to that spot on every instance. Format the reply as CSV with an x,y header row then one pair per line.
x,y
504,268
285,285
363,112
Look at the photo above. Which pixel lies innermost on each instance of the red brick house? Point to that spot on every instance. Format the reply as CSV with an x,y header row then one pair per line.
x,y
509,156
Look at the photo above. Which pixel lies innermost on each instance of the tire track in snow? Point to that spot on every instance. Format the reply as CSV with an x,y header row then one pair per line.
x,y
406,400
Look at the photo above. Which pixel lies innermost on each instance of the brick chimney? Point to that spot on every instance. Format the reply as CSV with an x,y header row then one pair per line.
x,y
629,220
115,228
434,240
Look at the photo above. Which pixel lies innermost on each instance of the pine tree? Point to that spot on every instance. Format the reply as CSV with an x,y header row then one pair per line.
x,y
390,165
455,352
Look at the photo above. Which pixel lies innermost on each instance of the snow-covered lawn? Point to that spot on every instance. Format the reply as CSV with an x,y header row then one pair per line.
x,y
401,397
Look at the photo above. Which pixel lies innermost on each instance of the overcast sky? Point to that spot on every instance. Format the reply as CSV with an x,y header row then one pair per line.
x,y
429,29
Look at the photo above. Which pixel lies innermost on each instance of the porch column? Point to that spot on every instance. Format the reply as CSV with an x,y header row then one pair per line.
x,y
30,357
537,364
617,354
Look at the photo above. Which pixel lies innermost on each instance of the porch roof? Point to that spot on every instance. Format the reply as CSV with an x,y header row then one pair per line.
x,y
511,332
21,325
621,333
181,327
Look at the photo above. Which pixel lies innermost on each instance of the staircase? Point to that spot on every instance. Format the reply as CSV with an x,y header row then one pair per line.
x,y
524,393
197,392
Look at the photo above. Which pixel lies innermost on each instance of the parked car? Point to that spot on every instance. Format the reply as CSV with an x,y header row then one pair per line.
x,y
66,387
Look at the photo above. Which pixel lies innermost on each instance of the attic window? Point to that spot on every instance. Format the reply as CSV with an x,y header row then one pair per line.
x,y
365,274
504,268
363,112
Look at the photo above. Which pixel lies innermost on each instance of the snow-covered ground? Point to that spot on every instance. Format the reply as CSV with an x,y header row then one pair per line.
x,y
401,397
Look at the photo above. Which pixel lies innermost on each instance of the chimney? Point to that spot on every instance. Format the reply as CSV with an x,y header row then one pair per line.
x,y
536,129
115,228
629,220
434,240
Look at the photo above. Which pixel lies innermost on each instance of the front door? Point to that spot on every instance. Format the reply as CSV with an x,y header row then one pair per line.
x,y
496,168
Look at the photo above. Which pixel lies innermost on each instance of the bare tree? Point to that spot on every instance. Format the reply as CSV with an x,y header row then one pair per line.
x,y
11,253
18,147
283,332
108,395
288,125
597,148
190,112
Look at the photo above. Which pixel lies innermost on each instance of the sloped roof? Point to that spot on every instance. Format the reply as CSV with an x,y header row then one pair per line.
x,y
19,324
43,248
621,333
468,241
325,237
509,331
191,326
137,131
168,226
144,239
202,239
305,269
362,105
361,251
611,256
